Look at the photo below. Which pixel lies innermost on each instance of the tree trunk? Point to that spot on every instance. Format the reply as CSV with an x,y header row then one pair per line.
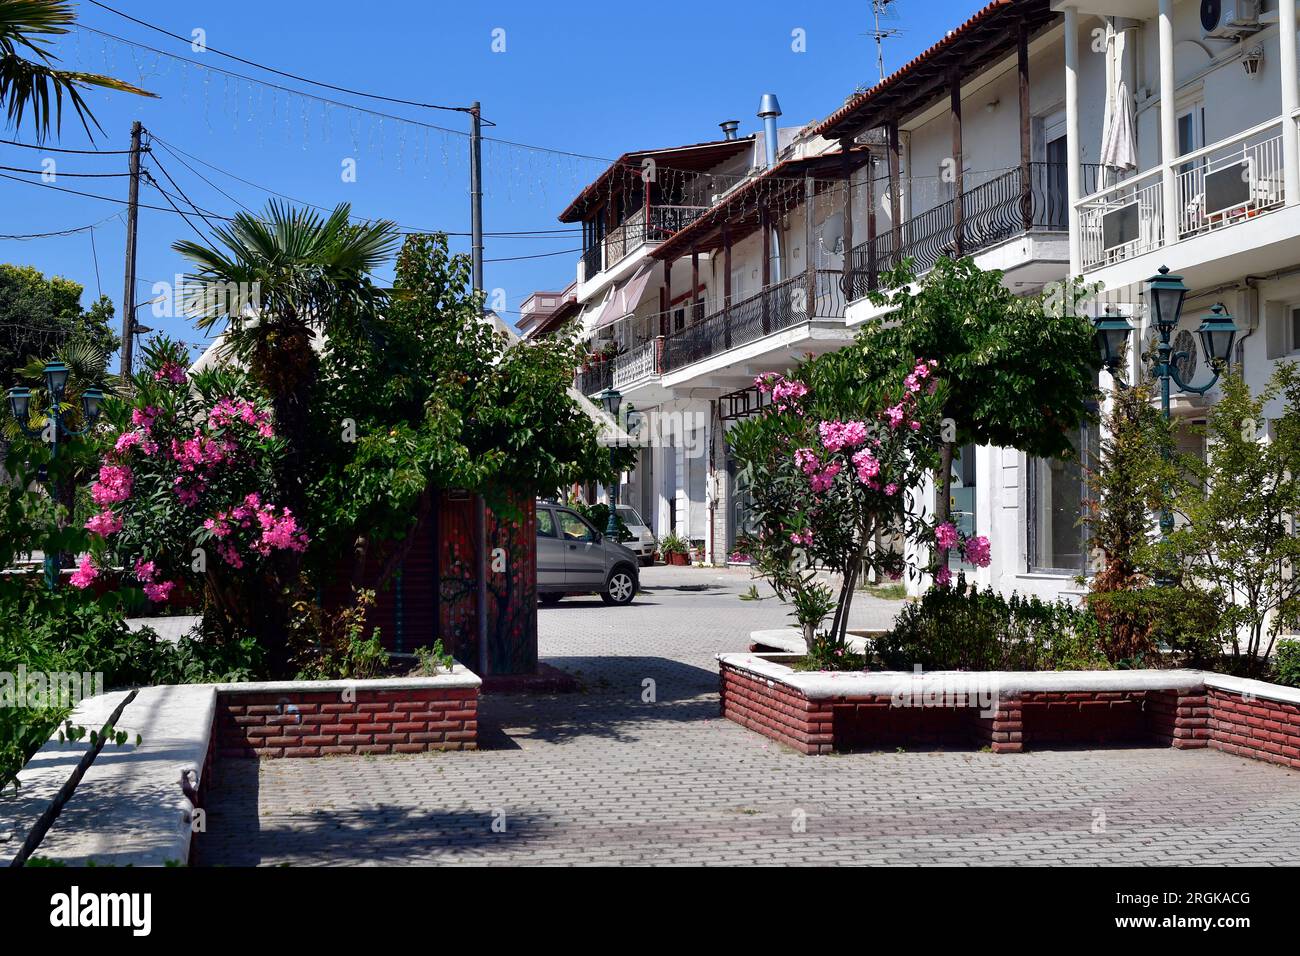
x,y
943,494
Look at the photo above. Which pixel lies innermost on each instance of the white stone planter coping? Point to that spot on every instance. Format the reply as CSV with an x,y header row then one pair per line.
x,y
791,639
822,685
459,677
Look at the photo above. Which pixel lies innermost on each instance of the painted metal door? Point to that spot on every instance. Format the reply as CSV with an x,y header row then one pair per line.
x,y
584,557
550,551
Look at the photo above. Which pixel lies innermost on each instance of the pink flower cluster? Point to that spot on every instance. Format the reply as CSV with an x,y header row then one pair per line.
x,y
868,469
802,537
104,524
275,532
228,410
945,535
172,372
896,415
837,435
147,573
85,574
785,392
978,551
114,485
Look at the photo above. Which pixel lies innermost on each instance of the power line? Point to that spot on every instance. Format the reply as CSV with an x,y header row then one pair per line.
x,y
75,230
540,255
287,75
500,234
60,149
58,172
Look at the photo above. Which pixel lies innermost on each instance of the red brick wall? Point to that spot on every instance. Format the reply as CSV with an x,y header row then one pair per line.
x,y
1262,729
320,724
777,711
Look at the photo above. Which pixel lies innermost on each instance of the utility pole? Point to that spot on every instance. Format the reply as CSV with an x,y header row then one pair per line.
x,y
132,219
476,273
476,194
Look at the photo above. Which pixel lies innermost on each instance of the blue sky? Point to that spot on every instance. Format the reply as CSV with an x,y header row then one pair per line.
x,y
589,78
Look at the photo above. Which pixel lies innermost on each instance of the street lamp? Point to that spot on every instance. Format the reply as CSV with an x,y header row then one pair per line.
x,y
20,406
1217,331
610,399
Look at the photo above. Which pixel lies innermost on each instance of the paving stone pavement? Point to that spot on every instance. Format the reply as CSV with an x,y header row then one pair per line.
x,y
605,777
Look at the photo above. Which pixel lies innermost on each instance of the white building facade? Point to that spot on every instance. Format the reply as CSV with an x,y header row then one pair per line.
x,y
1045,138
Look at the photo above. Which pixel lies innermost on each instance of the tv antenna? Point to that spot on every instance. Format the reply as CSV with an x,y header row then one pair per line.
x,y
882,10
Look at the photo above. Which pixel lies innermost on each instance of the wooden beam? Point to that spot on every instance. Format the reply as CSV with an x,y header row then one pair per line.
x,y
695,283
810,243
766,227
959,179
847,265
1022,70
726,287
895,195
666,298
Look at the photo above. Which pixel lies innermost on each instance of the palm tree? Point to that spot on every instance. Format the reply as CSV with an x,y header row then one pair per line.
x,y
280,280
35,83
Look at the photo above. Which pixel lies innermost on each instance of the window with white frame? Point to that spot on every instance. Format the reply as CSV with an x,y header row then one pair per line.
x,y
1057,488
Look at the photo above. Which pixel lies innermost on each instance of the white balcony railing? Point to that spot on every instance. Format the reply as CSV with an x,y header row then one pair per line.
x,y
637,364
1121,222
1229,182
1217,186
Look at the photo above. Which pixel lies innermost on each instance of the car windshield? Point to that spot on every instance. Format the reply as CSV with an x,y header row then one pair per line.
x,y
629,515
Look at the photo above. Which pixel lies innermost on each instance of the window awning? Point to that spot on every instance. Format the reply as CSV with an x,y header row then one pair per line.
x,y
624,299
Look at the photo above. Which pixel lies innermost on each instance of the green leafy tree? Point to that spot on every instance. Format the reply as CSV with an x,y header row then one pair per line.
x,y
29,79
39,316
1239,508
1021,372
427,395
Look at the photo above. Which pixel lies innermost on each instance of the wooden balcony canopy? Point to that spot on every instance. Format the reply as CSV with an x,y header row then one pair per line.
x,y
699,157
981,41
740,212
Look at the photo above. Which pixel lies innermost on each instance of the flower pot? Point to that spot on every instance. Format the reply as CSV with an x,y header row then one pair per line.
x,y
678,559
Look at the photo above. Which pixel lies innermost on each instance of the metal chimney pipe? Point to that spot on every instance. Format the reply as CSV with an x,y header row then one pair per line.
x,y
768,110
729,128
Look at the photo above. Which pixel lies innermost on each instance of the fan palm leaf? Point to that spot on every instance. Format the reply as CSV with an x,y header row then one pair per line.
x,y
29,80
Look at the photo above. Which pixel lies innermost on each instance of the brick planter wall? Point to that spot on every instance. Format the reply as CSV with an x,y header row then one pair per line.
x,y
293,722
819,713
1254,727
777,711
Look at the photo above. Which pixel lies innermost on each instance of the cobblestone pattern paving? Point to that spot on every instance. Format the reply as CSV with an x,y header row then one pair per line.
x,y
608,776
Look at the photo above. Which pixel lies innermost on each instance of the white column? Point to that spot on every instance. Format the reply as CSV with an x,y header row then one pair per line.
x,y
1286,29
1168,124
1072,171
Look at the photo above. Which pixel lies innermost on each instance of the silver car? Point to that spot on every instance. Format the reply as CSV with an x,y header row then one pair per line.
x,y
642,543
575,558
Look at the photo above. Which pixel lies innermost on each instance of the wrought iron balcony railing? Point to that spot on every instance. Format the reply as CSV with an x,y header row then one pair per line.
x,y
635,230
777,307
992,212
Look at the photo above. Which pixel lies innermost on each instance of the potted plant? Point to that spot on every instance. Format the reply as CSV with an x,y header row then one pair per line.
x,y
674,549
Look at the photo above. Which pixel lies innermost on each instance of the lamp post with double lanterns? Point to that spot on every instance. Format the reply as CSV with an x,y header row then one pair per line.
x,y
611,400
20,403
1165,295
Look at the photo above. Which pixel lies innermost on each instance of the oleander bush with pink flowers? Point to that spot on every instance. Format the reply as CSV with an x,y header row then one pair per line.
x,y
180,491
836,459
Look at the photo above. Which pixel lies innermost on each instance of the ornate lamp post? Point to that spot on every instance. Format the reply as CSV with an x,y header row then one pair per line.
x,y
20,399
611,399
1217,331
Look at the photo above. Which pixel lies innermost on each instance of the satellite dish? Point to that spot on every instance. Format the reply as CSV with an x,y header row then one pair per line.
x,y
832,233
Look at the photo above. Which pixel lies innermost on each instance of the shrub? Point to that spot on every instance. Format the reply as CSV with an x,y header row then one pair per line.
x,y
1286,665
598,515
963,628
1136,626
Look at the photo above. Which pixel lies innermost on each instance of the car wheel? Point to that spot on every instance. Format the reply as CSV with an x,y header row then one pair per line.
x,y
620,588
550,598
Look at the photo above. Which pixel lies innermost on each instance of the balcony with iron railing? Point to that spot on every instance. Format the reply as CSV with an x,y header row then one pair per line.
x,y
1221,185
779,307
1002,208
652,224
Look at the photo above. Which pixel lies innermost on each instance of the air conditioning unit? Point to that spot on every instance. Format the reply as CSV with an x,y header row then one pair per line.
x,y
1229,19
